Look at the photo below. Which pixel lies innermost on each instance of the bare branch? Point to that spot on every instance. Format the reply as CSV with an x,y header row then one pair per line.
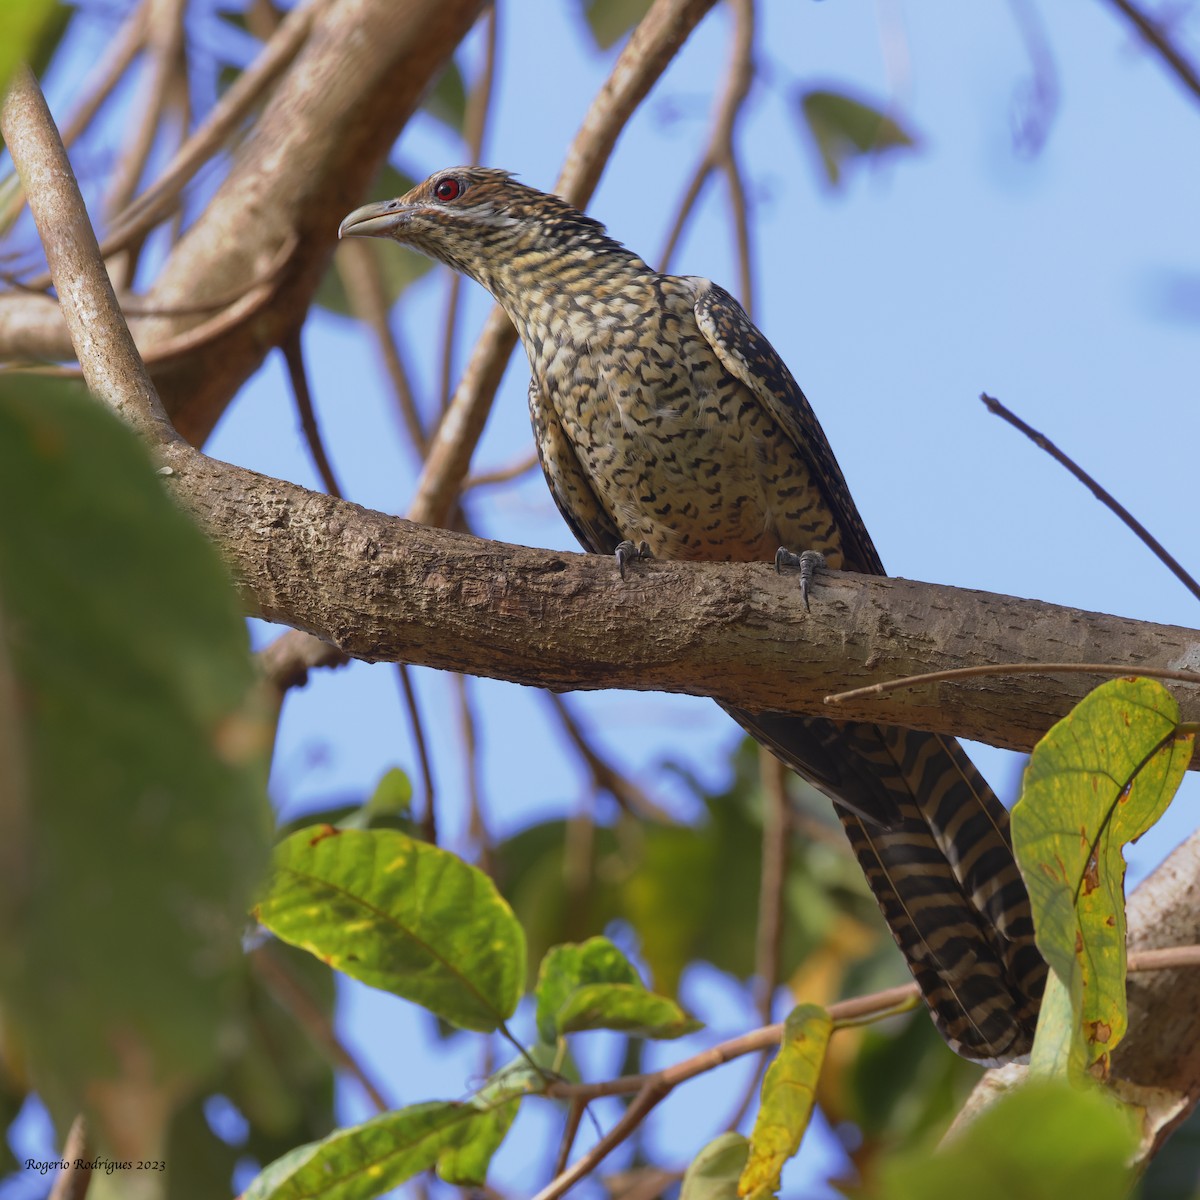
x,y
293,354
1101,494
385,589
102,341
1156,37
429,824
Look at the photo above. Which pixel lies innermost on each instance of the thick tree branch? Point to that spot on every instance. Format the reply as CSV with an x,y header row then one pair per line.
x,y
306,162
382,588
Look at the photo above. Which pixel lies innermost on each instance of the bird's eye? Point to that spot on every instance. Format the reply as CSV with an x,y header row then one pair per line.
x,y
447,189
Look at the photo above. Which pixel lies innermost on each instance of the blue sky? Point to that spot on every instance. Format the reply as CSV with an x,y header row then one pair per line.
x,y
963,267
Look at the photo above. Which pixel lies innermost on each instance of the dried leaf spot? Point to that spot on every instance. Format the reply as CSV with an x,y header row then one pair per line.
x,y
1091,875
323,832
1099,1031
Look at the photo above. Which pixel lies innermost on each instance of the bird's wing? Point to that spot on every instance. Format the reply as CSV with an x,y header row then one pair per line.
x,y
581,508
747,355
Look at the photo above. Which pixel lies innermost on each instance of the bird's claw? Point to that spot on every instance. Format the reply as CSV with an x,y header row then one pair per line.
x,y
808,561
628,552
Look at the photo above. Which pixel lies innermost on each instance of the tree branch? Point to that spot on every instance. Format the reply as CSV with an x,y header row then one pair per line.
x,y
381,588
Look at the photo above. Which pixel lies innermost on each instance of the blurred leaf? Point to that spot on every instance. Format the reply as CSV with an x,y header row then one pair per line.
x,y
400,915
844,128
715,1171
366,1160
201,1164
398,266
610,20
566,968
689,892
137,835
446,101
1043,1141
1100,778
787,1099
281,1081
30,31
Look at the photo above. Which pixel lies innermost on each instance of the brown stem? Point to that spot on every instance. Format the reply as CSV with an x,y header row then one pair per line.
x,y
1039,439
293,355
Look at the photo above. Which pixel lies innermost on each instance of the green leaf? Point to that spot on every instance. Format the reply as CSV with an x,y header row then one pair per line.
x,y
610,20
787,1099
400,915
366,1160
714,1172
1043,1141
1100,778
394,266
134,824
594,986
446,101
627,1008
844,128
566,968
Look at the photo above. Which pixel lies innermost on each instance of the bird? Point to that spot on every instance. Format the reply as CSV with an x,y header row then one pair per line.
x,y
667,426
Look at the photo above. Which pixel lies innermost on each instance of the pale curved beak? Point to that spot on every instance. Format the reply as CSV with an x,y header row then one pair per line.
x,y
382,219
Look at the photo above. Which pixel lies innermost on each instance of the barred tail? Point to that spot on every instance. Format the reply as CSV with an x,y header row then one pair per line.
x,y
933,841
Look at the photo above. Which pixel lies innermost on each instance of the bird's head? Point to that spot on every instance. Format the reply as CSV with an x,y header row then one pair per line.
x,y
483,223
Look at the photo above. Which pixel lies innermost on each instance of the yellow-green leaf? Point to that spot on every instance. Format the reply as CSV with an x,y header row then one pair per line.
x,y
787,1100
400,915
1099,779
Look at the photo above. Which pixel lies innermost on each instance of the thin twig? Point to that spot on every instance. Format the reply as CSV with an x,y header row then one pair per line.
x,y
477,825
72,1183
570,1132
429,824
513,471
293,354
1038,668
844,1013
1039,439
291,993
769,930
651,47
639,1109
166,54
226,116
361,272
605,776
1152,32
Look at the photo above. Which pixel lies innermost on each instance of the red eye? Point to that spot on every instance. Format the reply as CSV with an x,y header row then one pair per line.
x,y
447,189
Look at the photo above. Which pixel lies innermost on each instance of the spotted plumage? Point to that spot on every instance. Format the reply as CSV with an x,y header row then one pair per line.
x,y
662,415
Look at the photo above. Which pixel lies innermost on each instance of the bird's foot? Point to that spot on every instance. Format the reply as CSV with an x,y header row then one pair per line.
x,y
808,561
628,552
